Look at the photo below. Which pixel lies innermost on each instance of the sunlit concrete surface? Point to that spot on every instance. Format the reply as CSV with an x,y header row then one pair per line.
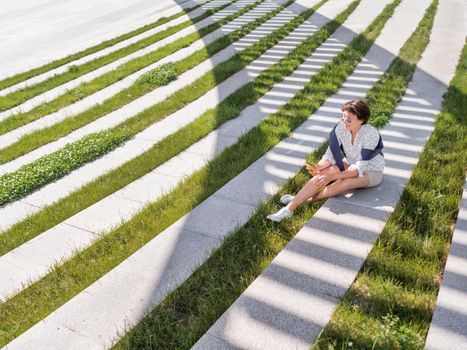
x,y
36,32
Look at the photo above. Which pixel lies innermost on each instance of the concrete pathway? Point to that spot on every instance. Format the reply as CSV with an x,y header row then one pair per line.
x,y
448,330
18,269
15,212
106,93
170,257
293,299
60,90
30,37
142,103
167,13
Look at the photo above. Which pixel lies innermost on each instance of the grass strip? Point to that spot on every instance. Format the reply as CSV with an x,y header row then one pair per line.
x,y
18,78
17,314
40,137
115,75
391,303
174,144
45,170
170,105
15,98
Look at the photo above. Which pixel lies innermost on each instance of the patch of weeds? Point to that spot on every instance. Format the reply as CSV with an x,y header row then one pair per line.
x,y
159,76
50,167
393,334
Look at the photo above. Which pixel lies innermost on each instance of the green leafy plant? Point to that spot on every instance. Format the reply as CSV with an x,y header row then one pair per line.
x,y
393,334
48,168
159,76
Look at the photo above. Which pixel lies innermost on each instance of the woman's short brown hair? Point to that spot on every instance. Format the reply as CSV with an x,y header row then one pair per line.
x,y
359,108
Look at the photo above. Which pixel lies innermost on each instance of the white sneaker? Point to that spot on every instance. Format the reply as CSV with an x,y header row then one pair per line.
x,y
282,214
286,199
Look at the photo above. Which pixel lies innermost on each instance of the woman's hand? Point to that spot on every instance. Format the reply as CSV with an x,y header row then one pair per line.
x,y
312,172
322,180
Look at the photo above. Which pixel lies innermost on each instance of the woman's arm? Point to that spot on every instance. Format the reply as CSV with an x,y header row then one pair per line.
x,y
323,164
327,159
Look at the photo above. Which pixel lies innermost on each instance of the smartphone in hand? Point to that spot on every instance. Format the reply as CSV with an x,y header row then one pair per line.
x,y
312,168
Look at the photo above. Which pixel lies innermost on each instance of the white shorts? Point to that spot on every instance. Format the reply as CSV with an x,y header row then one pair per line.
x,y
374,178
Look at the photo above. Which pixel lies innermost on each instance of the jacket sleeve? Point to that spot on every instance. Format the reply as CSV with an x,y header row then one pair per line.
x,y
328,156
370,141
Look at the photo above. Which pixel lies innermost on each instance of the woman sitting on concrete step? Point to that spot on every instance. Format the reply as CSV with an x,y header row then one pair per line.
x,y
354,159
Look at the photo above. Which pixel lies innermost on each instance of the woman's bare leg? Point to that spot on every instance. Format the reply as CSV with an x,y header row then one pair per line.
x,y
310,189
340,186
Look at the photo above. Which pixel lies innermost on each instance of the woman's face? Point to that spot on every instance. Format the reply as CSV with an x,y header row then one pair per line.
x,y
350,121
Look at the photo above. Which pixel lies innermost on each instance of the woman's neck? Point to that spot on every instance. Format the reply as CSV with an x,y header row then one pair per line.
x,y
353,133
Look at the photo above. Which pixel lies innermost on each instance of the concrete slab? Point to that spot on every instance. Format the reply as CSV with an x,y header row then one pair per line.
x,y
210,342
280,162
184,164
159,130
15,212
148,187
251,187
212,145
105,214
51,193
52,341
132,148
448,329
204,219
